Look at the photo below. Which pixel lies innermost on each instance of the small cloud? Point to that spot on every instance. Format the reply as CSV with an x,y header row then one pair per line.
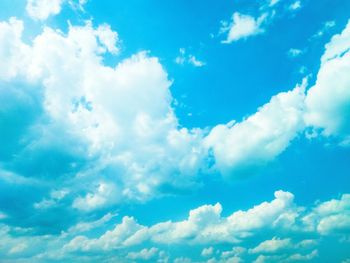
x,y
273,2
144,254
189,59
207,252
242,26
195,62
295,6
294,52
2,215
42,9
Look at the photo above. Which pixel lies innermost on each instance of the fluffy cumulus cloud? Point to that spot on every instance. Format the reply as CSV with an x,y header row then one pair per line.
x,y
117,116
262,136
328,101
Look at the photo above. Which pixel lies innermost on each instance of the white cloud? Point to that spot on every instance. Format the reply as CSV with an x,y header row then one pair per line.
x,y
207,252
234,252
119,116
2,215
104,194
262,136
183,58
204,225
144,254
242,26
12,49
87,226
272,246
330,217
282,246
328,101
326,27
195,62
295,6
108,38
42,9
294,52
274,2
285,258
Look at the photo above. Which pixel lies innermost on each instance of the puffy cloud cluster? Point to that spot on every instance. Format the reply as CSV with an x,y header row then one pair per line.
x,y
206,226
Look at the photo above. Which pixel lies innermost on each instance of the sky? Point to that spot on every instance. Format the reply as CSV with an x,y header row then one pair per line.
x,y
174,131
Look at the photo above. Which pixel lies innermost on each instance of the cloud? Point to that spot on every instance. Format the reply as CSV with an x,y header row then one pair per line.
x,y
330,217
104,194
272,246
242,26
325,29
328,101
287,258
116,116
269,132
144,254
282,246
249,24
207,252
42,9
114,128
182,58
295,6
205,226
294,52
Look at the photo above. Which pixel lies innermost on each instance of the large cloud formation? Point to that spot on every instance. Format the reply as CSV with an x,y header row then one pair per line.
x,y
81,136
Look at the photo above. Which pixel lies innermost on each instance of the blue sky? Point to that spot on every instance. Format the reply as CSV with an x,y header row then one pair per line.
x,y
174,131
